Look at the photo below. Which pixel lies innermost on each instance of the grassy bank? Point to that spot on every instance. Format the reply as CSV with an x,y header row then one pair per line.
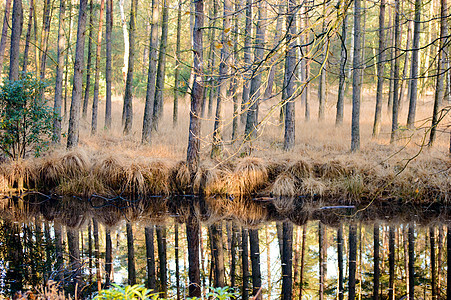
x,y
321,165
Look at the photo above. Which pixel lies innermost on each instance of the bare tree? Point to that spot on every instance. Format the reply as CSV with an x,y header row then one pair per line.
x,y
108,67
16,31
88,64
4,32
74,120
27,38
177,67
342,75
397,42
59,73
356,78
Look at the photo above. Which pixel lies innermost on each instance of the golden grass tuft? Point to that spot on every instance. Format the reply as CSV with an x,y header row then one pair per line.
x,y
112,172
50,172
312,187
250,175
284,185
75,163
135,182
179,178
300,169
331,169
19,174
82,186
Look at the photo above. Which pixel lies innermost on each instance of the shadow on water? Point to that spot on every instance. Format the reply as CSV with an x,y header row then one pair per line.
x,y
268,246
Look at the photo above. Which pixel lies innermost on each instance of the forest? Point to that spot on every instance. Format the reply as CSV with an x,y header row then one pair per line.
x,y
318,130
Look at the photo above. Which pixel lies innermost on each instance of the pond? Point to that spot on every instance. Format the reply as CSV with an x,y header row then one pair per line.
x,y
268,247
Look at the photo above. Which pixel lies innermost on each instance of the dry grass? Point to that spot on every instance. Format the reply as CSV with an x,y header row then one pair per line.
x,y
319,165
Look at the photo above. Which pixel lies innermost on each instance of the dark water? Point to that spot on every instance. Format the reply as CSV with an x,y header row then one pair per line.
x,y
323,236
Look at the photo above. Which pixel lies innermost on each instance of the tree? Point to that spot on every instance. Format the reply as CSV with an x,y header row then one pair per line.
x,y
95,99
26,119
245,263
151,75
108,258
162,258
352,258
380,71
340,262
27,39
290,70
108,65
128,97
130,255
4,33
150,255
217,249
193,229
411,236
74,119
16,31
177,69
356,78
223,81
397,42
441,67
376,261
247,60
255,263
342,75
287,262
391,262
88,65
59,73
414,66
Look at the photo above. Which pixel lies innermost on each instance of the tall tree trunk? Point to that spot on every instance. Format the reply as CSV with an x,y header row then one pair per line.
x,y
59,260
218,253
305,67
301,272
150,257
151,75
95,99
287,262
196,100
247,60
340,262
74,119
245,263
14,255
16,31
97,253
223,82
411,236
391,263
211,61
109,62
342,75
108,257
380,71
441,67
4,33
234,83
27,39
255,261
356,78
290,76
45,33
161,69
162,259
175,111
192,224
59,73
439,260
414,66
126,46
376,275
90,258
322,75
322,246
448,254
67,54
352,255
88,64
397,41
256,82
130,255
128,97
433,263
276,44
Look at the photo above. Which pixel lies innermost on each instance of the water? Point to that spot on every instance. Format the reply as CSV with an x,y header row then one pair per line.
x,y
30,252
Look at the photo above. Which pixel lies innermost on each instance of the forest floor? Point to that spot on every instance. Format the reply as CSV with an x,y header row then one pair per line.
x,y
320,164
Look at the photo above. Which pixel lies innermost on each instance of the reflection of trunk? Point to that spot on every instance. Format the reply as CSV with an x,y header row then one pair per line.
x,y
177,268
108,258
218,253
439,260
14,255
90,260
287,262
58,251
279,228
97,253
352,259
268,259
162,258
448,252
376,262
322,258
192,234
391,263
433,263
130,255
74,256
406,254
340,261
301,272
150,257
255,261
411,235
245,262
233,255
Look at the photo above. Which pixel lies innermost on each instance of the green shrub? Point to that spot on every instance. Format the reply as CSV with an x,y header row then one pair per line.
x,y
129,292
25,118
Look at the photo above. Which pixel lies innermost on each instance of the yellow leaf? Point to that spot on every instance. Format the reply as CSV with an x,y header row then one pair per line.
x,y
227,30
229,43
218,45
